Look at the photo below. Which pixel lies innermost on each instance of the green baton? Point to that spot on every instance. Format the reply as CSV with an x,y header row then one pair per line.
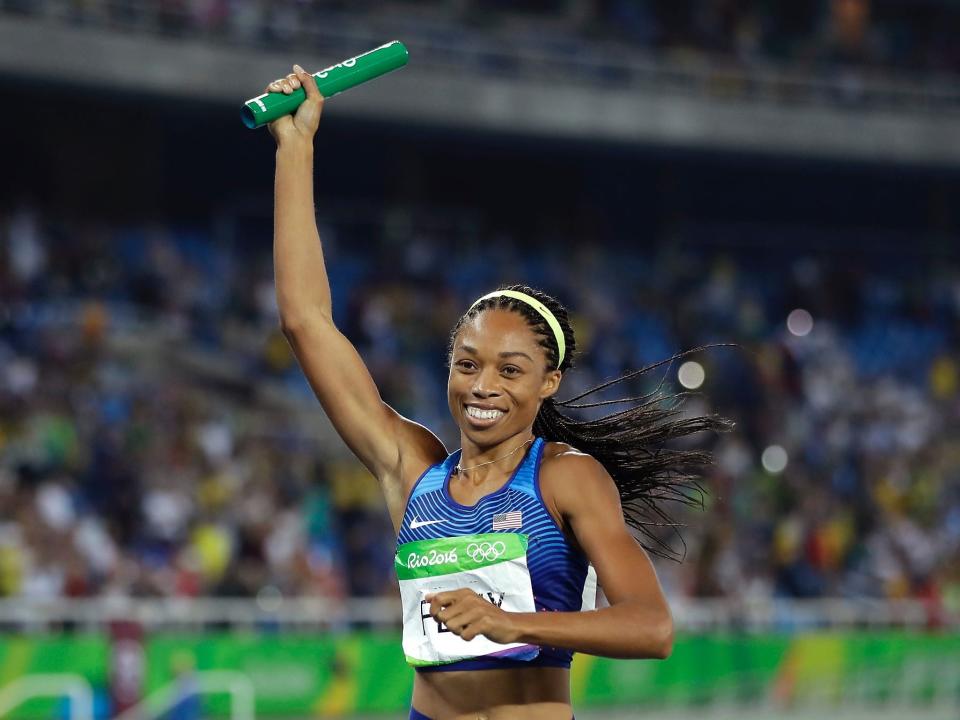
x,y
335,79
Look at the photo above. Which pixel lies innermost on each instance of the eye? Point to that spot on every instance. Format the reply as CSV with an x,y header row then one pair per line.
x,y
465,364
511,370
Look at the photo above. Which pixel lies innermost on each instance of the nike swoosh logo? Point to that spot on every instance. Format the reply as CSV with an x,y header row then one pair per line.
x,y
414,524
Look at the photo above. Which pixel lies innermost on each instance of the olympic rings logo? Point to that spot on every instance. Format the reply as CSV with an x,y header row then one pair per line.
x,y
486,551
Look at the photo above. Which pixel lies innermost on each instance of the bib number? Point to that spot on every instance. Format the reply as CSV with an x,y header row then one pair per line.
x,y
493,565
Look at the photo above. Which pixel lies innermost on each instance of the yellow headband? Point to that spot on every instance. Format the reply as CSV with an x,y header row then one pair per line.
x,y
540,308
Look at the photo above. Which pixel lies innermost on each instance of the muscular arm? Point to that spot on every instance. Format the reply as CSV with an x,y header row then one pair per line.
x,y
637,624
330,362
390,446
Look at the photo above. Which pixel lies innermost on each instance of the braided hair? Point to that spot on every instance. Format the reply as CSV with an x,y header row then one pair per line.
x,y
630,443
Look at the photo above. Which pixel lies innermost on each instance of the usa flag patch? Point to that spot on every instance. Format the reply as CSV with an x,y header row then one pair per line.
x,y
504,521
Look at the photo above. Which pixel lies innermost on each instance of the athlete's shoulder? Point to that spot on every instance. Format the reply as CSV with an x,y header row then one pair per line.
x,y
563,457
562,462
572,480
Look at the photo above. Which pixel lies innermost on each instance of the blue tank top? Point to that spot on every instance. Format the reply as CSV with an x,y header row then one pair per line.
x,y
560,575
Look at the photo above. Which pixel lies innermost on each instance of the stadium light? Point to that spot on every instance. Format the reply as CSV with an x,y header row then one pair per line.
x,y
691,375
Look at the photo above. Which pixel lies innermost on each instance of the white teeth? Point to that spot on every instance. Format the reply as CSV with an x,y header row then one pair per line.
x,y
483,414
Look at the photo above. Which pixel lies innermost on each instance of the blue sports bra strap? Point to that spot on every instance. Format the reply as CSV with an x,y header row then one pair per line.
x,y
525,479
432,479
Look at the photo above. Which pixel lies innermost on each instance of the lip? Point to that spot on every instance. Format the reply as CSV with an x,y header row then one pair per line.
x,y
481,424
483,406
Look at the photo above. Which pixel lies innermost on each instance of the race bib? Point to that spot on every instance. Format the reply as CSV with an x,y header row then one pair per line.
x,y
493,565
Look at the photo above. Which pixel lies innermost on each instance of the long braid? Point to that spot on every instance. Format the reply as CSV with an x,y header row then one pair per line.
x,y
630,443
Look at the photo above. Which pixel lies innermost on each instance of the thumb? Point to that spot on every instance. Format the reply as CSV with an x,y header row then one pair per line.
x,y
309,83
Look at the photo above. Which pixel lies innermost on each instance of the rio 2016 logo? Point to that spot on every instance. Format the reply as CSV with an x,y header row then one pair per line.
x,y
431,558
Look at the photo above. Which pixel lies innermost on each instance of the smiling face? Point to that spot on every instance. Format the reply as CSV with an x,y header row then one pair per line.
x,y
498,377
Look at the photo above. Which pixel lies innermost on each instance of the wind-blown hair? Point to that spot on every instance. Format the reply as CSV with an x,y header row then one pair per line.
x,y
632,443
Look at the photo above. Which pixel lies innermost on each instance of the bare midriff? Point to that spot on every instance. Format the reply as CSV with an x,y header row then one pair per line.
x,y
521,694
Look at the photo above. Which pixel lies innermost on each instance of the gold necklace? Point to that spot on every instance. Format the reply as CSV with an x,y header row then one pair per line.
x,y
457,470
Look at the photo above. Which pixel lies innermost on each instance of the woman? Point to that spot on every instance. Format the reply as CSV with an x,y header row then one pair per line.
x,y
518,520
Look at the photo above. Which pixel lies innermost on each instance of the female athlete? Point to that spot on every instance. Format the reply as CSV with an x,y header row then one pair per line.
x,y
527,516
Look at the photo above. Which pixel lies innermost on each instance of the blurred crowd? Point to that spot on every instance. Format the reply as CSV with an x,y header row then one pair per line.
x,y
890,35
157,437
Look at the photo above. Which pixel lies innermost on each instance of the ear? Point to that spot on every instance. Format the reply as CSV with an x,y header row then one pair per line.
x,y
551,383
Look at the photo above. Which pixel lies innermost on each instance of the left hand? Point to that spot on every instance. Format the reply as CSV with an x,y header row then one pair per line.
x,y
467,615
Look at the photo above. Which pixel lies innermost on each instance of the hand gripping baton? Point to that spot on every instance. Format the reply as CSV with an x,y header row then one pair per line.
x,y
266,108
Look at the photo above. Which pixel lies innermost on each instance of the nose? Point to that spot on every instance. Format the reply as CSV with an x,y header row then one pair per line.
x,y
486,383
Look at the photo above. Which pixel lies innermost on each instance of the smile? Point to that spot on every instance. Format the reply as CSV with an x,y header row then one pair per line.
x,y
482,417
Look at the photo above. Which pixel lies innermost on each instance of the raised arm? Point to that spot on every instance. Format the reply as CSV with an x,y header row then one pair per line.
x,y
390,446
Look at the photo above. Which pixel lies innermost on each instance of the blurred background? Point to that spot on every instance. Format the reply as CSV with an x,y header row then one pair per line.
x,y
182,535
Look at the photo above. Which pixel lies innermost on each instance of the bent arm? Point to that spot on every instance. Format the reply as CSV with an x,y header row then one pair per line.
x,y
632,627
638,623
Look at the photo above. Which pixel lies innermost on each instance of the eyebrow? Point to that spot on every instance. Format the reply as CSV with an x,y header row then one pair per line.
x,y
505,354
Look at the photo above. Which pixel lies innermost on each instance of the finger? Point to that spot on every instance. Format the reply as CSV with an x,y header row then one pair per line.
x,y
436,605
441,600
459,621
293,80
484,624
472,630
309,83
463,602
473,624
457,626
456,620
437,600
280,85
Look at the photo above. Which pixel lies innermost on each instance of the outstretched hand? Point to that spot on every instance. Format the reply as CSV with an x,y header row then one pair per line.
x,y
467,615
301,126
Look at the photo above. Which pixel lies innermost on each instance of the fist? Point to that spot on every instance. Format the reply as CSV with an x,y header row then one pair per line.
x,y
467,615
303,125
